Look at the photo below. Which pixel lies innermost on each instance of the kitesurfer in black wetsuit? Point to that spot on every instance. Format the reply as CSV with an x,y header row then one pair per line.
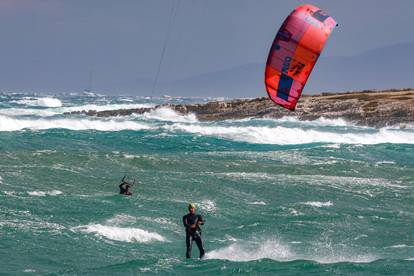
x,y
124,187
192,224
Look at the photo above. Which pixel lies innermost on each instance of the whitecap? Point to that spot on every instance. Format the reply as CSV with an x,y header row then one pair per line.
x,y
45,193
131,156
125,234
322,121
14,124
125,100
294,212
41,102
120,219
208,205
257,203
294,136
318,204
384,162
96,107
14,112
399,246
274,249
167,114
244,251
344,258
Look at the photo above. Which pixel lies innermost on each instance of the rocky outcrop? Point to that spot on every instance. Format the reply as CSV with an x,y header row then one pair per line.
x,y
370,108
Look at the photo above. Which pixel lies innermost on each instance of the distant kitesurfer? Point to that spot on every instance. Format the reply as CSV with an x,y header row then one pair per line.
x,y
192,224
124,187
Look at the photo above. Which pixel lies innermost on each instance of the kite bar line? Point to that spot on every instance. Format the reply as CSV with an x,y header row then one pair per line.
x,y
174,8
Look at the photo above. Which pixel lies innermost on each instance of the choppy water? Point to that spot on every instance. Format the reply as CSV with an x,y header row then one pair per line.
x,y
279,196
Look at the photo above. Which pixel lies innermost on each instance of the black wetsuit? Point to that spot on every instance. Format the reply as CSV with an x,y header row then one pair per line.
x,y
193,234
124,189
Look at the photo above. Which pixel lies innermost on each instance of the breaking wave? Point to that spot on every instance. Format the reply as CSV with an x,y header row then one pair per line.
x,y
43,193
293,136
15,124
243,251
318,204
167,114
41,102
318,122
27,112
96,107
125,234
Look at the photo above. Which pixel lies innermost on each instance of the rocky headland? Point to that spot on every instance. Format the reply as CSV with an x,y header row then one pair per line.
x,y
368,108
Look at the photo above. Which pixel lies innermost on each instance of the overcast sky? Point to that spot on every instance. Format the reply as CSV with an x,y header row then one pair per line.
x,y
54,44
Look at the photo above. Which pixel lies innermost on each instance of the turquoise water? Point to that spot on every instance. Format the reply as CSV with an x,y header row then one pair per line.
x,y
279,196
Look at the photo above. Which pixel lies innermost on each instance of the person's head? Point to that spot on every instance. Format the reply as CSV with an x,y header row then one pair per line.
x,y
192,208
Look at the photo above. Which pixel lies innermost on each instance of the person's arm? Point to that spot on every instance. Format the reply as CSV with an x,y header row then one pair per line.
x,y
200,220
185,222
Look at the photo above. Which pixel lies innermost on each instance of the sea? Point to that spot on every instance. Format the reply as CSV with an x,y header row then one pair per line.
x,y
278,196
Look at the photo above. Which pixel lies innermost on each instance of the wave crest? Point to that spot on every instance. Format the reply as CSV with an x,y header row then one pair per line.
x,y
43,193
15,124
274,249
294,136
41,102
125,234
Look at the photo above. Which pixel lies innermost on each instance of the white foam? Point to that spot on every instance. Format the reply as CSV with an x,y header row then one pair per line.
x,y
208,205
322,121
42,193
1,179
131,156
257,203
244,252
43,102
126,234
273,249
318,204
27,112
343,258
14,124
294,212
400,246
332,146
167,114
360,236
95,107
89,94
125,100
120,219
385,162
292,136
45,152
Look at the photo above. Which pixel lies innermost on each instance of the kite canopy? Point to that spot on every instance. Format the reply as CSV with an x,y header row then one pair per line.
x,y
294,53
